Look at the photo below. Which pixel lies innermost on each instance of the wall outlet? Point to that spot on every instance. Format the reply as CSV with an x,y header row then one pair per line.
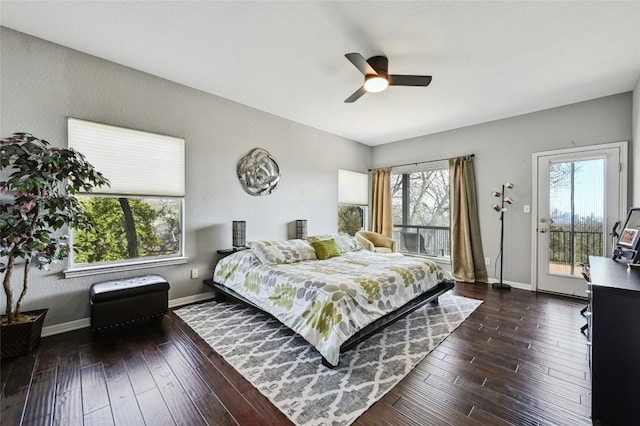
x,y
527,208
487,261
194,273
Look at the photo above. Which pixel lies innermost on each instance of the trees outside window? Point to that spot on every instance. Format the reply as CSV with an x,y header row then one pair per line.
x,y
351,219
420,209
128,228
576,216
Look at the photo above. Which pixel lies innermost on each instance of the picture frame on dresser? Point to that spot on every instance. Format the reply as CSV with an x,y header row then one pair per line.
x,y
629,237
627,247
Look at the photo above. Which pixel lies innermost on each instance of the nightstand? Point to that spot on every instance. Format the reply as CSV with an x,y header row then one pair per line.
x,y
226,252
221,254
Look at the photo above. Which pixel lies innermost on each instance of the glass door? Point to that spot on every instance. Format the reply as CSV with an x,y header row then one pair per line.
x,y
578,201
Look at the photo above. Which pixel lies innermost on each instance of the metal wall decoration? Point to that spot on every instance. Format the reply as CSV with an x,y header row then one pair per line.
x,y
258,172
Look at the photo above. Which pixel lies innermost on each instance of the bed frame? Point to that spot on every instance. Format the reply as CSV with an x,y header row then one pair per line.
x,y
224,293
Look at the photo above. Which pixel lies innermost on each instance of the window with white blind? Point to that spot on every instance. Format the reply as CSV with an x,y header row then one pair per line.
x,y
353,199
139,217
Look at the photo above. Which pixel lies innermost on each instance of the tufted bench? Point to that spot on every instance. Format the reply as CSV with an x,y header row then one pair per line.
x,y
126,301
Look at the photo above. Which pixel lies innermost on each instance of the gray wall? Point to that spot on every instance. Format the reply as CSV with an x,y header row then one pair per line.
x,y
44,83
503,153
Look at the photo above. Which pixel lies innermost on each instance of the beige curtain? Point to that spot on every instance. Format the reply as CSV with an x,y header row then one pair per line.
x,y
467,257
381,201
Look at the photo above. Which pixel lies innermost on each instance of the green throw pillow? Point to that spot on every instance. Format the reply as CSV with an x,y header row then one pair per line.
x,y
326,248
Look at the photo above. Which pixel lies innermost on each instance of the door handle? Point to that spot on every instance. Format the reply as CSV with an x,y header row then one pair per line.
x,y
542,231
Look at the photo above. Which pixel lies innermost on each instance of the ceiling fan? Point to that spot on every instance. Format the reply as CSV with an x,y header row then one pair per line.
x,y
377,77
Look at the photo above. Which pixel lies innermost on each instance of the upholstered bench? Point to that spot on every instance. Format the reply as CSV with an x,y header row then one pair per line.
x,y
126,301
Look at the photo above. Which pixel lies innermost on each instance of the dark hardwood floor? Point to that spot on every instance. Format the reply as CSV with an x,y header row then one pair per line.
x,y
519,359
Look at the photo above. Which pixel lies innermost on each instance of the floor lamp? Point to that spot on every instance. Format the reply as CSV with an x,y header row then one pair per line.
x,y
501,208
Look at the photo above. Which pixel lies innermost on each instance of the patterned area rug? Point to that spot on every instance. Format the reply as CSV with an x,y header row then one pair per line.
x,y
288,370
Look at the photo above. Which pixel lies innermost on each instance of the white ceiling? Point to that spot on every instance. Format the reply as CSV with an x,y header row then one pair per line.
x,y
489,60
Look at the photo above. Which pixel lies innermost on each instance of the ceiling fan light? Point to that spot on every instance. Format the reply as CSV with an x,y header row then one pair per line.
x,y
375,83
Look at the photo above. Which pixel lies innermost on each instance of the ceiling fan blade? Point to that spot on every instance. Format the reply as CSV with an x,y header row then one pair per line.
x,y
409,80
356,95
359,62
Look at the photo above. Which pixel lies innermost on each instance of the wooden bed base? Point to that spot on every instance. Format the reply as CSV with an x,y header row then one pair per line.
x,y
223,293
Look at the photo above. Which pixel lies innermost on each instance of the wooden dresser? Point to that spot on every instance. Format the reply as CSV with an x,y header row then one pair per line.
x,y
614,335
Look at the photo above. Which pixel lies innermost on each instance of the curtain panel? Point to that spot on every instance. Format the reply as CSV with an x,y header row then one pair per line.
x,y
467,256
381,219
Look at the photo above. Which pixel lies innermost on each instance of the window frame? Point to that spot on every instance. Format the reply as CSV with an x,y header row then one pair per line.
x,y
95,268
353,191
405,171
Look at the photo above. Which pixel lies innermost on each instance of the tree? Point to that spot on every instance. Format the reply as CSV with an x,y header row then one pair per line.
x,y
38,201
168,226
116,232
428,198
350,219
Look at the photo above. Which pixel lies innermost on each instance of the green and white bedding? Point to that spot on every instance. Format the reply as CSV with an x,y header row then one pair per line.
x,y
327,301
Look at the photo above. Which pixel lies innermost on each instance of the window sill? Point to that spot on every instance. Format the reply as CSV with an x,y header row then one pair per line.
x,y
84,271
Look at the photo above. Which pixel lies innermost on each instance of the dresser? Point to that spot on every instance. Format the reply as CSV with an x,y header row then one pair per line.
x,y
614,338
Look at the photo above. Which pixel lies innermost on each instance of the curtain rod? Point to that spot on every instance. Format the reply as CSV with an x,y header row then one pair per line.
x,y
421,162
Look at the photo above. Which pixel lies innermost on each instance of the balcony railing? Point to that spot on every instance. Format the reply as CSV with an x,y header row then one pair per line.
x,y
585,243
435,241
424,240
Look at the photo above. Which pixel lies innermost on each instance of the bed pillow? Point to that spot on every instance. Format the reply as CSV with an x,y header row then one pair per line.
x,y
276,252
345,242
326,249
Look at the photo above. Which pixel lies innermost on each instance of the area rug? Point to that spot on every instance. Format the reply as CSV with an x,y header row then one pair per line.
x,y
288,371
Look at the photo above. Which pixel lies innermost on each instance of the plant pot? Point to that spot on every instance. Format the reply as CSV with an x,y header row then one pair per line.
x,y
20,338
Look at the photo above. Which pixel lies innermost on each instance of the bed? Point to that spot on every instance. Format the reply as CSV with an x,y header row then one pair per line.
x,y
333,300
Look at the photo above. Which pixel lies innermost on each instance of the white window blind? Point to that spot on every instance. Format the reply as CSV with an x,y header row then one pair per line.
x,y
353,188
135,162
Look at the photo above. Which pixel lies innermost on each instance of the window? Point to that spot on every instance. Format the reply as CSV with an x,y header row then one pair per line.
x,y
576,213
139,218
420,209
352,201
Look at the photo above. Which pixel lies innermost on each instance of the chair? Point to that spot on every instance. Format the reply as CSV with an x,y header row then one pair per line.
x,y
412,242
373,241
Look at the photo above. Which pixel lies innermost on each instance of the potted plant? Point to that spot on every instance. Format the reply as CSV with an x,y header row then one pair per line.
x,y
38,184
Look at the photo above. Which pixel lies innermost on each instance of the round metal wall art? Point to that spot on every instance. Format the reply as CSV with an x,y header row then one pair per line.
x,y
258,172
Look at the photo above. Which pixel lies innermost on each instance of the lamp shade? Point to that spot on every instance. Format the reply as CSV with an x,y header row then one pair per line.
x,y
239,233
301,229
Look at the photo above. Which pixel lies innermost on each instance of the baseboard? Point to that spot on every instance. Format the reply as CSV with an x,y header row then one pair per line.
x,y
522,286
64,327
514,284
191,299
